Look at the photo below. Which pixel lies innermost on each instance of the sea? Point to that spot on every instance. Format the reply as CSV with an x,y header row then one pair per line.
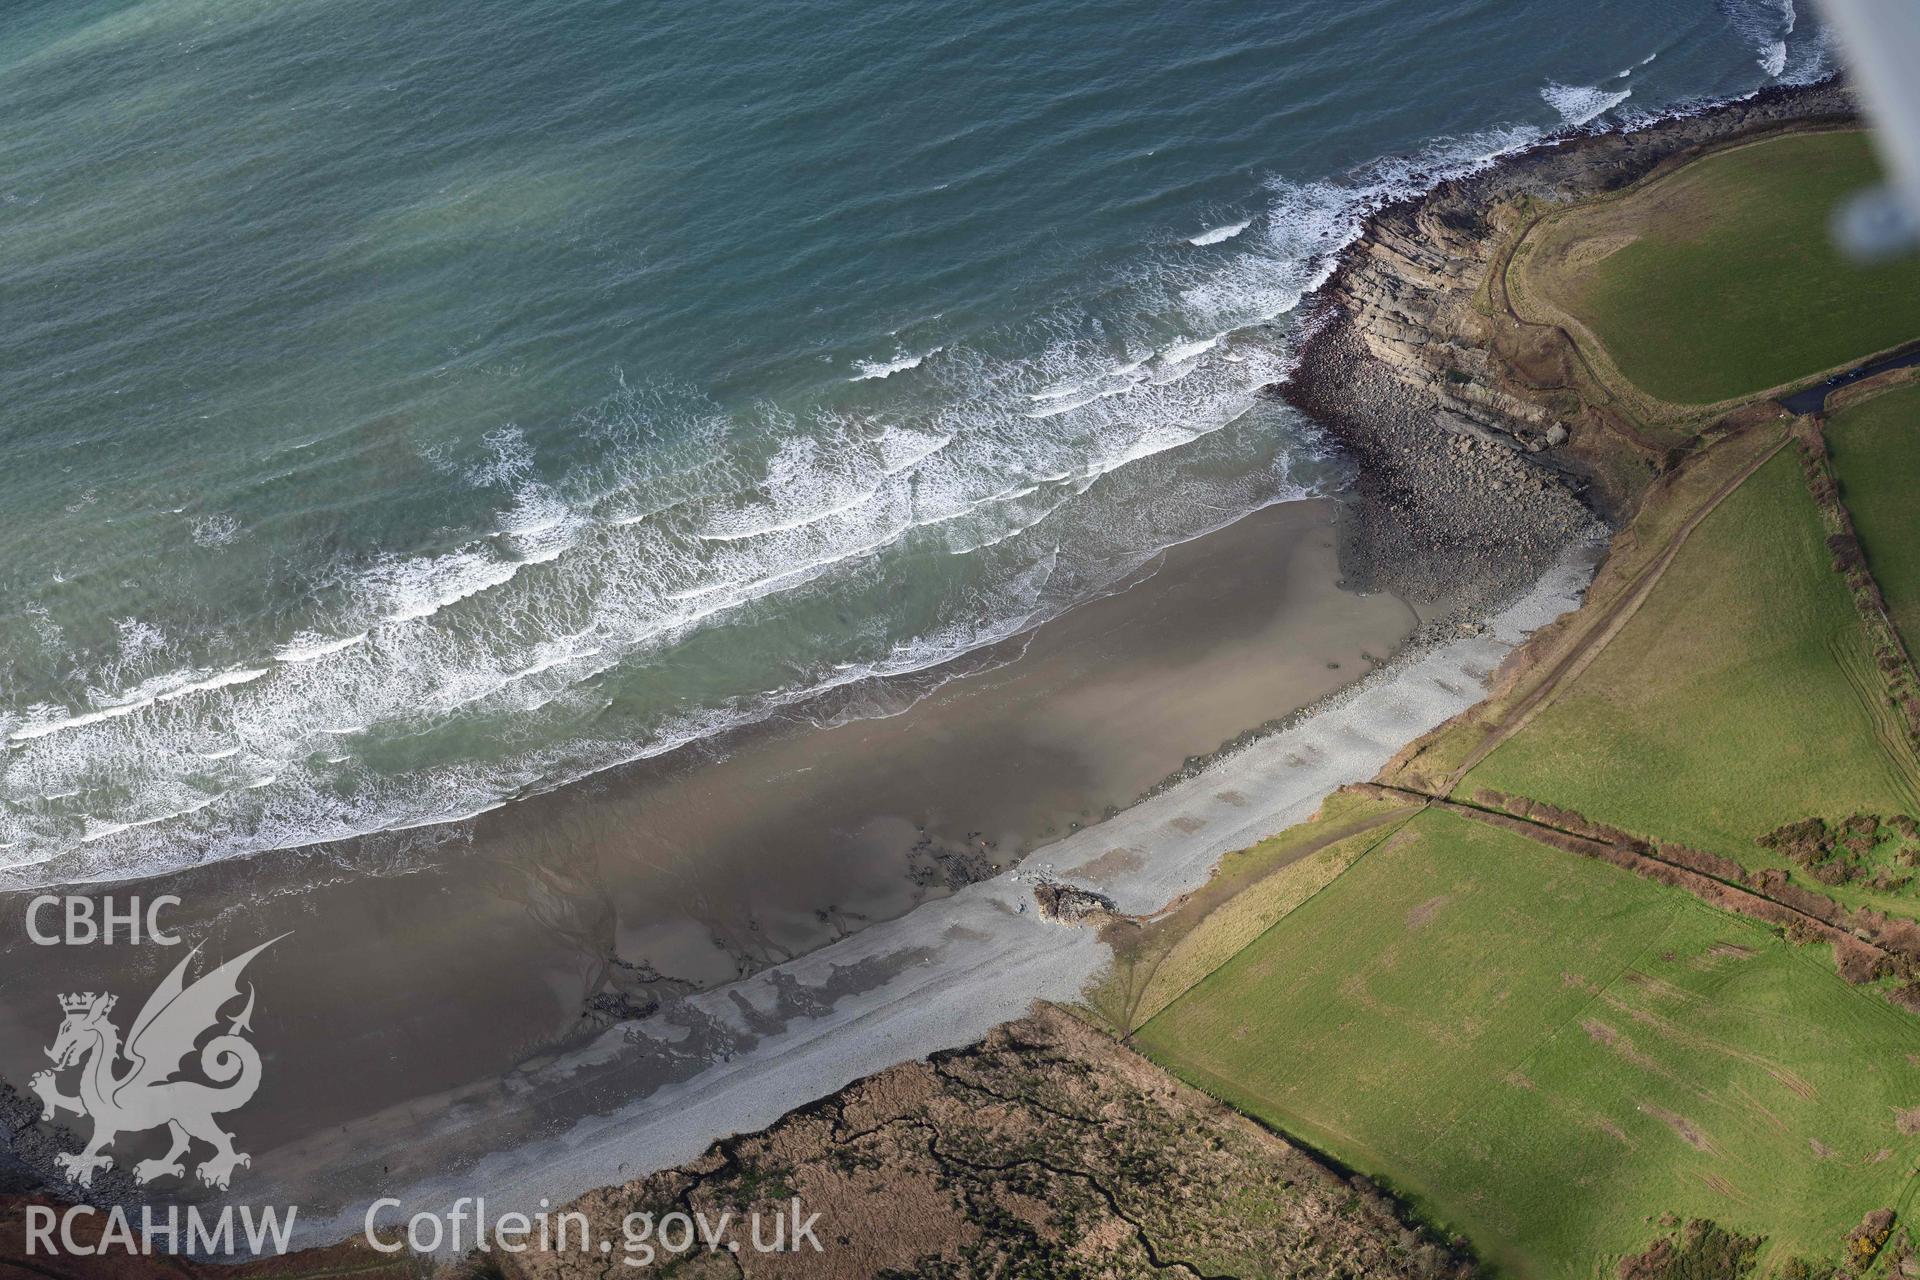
x,y
406,408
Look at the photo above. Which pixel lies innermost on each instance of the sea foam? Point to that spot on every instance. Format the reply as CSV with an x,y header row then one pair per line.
x,y
1580,104
682,518
871,370
1765,26
1219,235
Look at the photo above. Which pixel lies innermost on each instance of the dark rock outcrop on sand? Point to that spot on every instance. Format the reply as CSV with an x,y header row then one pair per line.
x,y
28,1148
1478,458
1070,904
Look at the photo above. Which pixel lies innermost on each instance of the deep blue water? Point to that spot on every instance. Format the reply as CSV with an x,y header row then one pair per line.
x,y
404,406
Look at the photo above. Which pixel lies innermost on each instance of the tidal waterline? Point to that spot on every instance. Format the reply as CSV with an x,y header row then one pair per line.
x,y
409,412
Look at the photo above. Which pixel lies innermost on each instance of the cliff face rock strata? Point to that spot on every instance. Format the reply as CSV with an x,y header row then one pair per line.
x,y
1480,443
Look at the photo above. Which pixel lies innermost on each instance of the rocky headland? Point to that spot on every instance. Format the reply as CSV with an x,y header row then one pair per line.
x,y
1481,444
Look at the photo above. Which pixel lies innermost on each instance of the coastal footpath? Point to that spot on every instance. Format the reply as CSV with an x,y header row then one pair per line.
x,y
1498,1006
1463,955
1469,426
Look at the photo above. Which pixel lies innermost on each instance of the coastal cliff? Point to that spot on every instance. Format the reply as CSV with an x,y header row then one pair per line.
x,y
1482,441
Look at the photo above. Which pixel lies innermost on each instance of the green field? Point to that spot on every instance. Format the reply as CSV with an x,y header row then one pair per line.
x,y
1876,450
1740,697
1721,279
1248,891
1548,1053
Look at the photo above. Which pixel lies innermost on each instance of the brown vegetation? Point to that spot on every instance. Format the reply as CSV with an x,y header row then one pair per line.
x,y
1864,1241
1703,1250
1850,562
1867,944
1848,852
1046,1150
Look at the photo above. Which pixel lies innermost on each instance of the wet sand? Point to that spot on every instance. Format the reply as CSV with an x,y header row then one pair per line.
x,y
656,1092
515,940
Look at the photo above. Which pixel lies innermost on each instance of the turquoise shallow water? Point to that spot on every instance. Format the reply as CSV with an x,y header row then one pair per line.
x,y
405,407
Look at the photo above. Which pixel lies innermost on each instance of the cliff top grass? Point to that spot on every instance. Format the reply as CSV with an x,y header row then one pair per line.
x,y
1250,890
1548,1054
1739,698
1719,279
1876,450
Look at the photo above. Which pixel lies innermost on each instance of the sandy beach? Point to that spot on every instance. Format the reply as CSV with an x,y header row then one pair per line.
x,y
655,1093
587,985
596,575
439,975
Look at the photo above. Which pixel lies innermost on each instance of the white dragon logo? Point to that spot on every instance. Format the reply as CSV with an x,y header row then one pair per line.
x,y
145,1096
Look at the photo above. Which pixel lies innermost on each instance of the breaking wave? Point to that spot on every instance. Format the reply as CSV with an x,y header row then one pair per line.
x,y
694,566
1579,104
870,370
1219,235
1765,26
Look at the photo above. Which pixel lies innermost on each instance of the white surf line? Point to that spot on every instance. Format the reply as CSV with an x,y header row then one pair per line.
x,y
959,966
871,370
206,684
306,647
1217,235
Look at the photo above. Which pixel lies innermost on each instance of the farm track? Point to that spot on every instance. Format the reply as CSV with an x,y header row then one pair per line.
x,y
1602,629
